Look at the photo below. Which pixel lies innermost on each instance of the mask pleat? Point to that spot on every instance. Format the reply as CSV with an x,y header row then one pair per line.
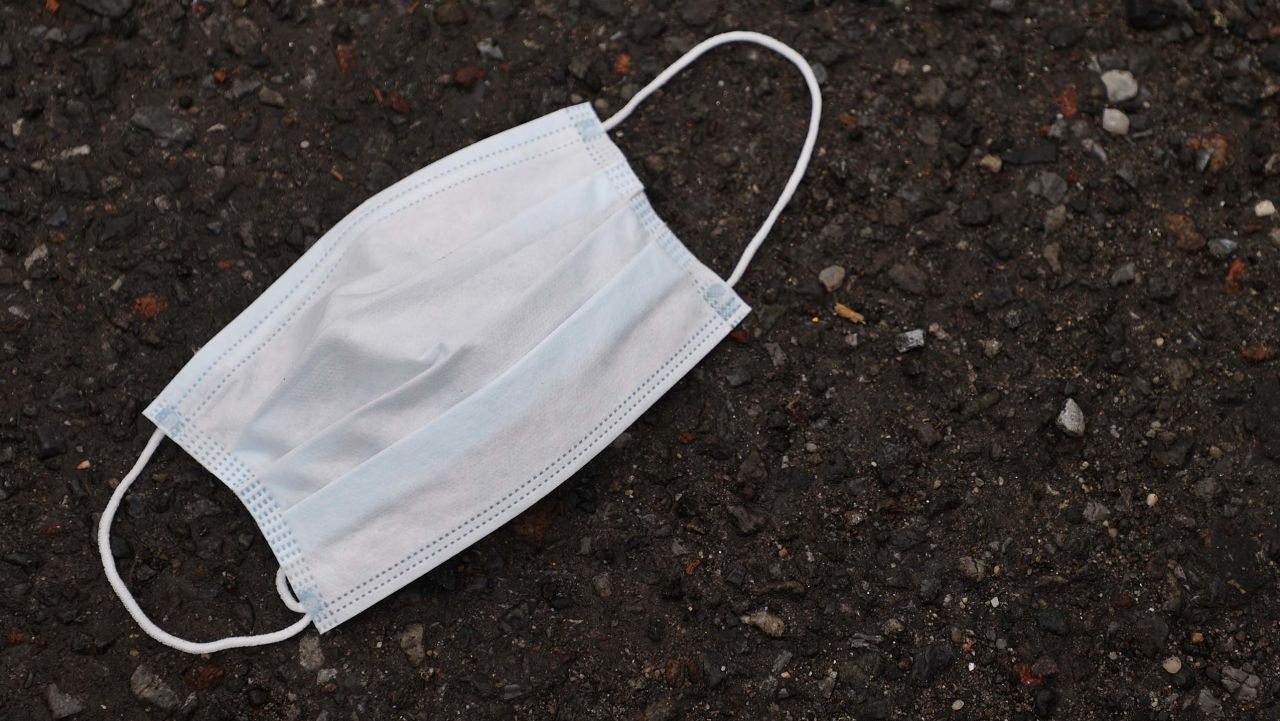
x,y
486,347
457,477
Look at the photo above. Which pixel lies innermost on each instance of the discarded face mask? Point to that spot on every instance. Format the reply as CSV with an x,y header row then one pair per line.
x,y
445,356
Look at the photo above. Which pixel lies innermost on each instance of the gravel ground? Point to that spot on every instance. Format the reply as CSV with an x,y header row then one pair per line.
x,y
1000,440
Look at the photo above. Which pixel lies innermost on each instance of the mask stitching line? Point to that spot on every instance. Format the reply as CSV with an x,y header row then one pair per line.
x,y
358,223
628,404
328,274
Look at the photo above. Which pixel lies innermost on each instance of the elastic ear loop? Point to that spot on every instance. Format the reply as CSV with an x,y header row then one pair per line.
x,y
815,114
151,629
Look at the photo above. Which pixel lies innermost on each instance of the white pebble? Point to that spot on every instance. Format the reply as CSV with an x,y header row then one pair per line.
x,y
1152,500
1264,209
1115,121
957,705
1121,85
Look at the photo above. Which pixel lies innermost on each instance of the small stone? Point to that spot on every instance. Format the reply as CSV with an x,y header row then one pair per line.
x,y
1071,419
1152,500
468,75
1095,511
1124,275
768,623
165,126
746,521
1050,186
738,376
603,585
488,47
1264,209
1185,234
1055,218
310,657
1115,121
832,277
1209,705
1222,248
411,643
242,88
930,662
1092,147
242,37
1120,84
50,442
974,569
149,687
267,96
1242,684
909,341
1172,665
61,705
991,163
931,94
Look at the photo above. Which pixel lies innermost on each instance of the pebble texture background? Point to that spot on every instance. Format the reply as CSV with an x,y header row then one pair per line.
x,y
1001,440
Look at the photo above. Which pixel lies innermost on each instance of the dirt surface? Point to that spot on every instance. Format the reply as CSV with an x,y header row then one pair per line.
x,y
1038,480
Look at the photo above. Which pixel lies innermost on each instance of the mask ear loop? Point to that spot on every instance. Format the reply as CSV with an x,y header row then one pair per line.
x,y
815,114
151,629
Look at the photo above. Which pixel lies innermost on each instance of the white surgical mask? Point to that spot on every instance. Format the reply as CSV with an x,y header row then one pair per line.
x,y
445,356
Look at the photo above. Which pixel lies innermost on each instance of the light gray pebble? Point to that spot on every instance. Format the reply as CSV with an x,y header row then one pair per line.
x,y
411,644
1124,275
1120,84
164,125
149,687
488,48
911,340
1115,121
1071,419
273,98
1209,705
1050,186
310,657
832,277
769,623
61,705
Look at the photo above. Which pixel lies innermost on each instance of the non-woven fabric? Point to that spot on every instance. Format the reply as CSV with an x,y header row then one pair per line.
x,y
436,363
